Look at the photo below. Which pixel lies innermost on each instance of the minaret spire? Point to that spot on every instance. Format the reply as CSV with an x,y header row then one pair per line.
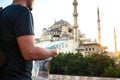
x,y
75,26
54,20
115,43
99,28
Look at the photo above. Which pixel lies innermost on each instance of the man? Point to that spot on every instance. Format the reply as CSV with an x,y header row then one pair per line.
x,y
17,41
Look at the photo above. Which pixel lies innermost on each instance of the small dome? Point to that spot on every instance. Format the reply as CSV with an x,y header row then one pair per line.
x,y
44,29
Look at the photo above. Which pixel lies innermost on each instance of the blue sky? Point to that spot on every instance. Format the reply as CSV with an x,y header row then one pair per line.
x,y
45,12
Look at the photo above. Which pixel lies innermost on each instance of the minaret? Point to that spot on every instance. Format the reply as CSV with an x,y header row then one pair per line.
x,y
75,26
99,28
54,21
115,43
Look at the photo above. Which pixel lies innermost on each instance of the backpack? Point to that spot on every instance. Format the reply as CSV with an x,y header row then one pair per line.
x,y
2,55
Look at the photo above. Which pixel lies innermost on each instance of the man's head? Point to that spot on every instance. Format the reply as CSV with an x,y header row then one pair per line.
x,y
27,3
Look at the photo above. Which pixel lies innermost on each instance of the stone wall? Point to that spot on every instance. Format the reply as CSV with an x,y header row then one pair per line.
x,y
67,77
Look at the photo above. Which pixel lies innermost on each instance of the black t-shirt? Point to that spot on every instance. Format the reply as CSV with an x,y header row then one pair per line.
x,y
15,21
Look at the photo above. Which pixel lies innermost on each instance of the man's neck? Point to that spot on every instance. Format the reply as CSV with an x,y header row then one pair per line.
x,y
22,2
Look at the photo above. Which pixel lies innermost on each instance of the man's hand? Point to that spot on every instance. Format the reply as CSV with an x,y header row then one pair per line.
x,y
55,51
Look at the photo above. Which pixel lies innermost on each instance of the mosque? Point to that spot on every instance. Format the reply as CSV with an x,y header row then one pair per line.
x,y
76,41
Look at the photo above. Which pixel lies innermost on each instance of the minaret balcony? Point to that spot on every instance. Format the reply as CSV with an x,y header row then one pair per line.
x,y
75,14
75,26
75,3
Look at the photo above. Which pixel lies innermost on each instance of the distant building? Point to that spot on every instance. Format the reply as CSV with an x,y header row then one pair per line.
x,y
92,47
61,30
76,41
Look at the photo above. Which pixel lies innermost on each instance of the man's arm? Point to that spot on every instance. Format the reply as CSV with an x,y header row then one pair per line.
x,y
31,52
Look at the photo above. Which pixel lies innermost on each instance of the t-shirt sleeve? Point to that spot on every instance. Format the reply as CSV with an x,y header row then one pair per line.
x,y
23,24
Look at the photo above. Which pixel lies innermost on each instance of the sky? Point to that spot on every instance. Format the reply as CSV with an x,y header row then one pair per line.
x,y
46,12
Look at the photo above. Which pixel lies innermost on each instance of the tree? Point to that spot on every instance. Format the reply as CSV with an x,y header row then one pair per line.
x,y
68,64
97,63
112,71
91,65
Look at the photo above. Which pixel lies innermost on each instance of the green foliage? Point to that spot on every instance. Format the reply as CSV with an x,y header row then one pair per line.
x,y
112,71
97,63
67,64
90,65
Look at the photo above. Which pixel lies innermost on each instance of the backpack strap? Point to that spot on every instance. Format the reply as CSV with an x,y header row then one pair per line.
x,y
2,59
1,9
2,55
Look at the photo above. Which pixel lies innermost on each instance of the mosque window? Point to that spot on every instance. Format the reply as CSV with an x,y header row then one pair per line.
x,y
89,49
86,49
55,35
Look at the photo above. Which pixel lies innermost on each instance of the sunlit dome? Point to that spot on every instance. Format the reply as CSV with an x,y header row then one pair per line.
x,y
59,24
62,22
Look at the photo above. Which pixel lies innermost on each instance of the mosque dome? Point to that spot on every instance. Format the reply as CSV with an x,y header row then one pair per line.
x,y
60,24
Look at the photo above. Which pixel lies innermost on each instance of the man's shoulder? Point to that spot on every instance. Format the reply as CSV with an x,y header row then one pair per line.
x,y
17,7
